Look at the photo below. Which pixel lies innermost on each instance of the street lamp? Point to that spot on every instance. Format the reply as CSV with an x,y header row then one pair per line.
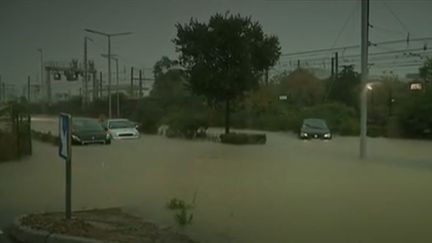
x,y
41,67
109,61
115,58
363,121
85,80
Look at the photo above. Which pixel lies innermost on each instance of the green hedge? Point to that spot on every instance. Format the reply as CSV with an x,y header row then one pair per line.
x,y
186,125
243,138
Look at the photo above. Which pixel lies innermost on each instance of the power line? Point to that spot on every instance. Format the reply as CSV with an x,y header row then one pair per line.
x,y
395,16
345,24
316,51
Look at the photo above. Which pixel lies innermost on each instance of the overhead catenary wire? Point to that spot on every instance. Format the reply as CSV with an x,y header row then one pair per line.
x,y
350,16
395,16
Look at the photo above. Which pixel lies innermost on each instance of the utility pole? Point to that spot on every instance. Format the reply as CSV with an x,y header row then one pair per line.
x,y
94,94
109,62
364,75
140,84
85,79
109,77
48,85
132,82
336,65
332,69
115,58
100,85
41,70
28,89
118,89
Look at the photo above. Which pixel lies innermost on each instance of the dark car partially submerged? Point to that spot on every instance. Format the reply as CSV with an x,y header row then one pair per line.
x,y
315,128
88,131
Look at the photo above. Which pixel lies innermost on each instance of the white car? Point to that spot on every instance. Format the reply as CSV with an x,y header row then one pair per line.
x,y
121,128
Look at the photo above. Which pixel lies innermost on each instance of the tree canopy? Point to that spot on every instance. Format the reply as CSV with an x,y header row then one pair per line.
x,y
345,88
225,56
301,86
426,70
169,81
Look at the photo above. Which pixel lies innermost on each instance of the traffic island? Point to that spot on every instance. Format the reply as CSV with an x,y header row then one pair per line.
x,y
92,226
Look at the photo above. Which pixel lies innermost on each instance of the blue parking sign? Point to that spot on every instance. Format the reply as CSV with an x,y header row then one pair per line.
x,y
65,135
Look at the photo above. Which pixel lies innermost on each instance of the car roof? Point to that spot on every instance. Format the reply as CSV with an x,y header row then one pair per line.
x,y
117,119
313,120
83,118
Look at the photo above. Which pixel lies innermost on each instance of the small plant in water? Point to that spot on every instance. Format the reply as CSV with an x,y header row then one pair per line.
x,y
183,216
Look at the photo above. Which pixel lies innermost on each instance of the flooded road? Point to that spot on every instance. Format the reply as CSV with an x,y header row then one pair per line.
x,y
285,191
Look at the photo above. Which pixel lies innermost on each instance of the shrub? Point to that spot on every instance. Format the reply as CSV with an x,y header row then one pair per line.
x,y
415,116
182,217
350,127
375,131
185,125
148,114
243,138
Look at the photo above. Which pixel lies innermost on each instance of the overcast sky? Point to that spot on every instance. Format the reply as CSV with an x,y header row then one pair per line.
x,y
57,27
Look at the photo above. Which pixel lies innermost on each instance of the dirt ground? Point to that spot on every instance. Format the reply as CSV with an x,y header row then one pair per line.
x,y
110,224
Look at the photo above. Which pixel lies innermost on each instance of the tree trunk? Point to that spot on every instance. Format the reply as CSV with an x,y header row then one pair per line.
x,y
227,116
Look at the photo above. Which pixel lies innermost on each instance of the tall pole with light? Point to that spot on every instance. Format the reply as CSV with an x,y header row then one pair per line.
x,y
115,58
85,79
364,76
41,70
109,62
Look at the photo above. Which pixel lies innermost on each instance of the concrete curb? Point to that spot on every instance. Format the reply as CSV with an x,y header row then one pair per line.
x,y
26,234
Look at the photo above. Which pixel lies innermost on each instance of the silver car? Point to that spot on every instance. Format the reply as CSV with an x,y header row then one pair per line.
x,y
121,129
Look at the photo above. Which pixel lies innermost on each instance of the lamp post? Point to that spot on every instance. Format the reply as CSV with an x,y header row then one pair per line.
x,y
115,58
364,75
85,80
109,61
42,70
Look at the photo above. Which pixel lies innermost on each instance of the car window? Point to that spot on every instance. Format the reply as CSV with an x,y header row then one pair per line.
x,y
315,123
86,124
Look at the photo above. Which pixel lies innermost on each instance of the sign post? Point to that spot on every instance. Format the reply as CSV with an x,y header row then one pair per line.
x,y
65,128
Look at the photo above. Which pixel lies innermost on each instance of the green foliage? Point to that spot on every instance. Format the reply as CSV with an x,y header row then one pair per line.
x,y
148,113
349,127
169,82
415,116
301,87
163,65
225,57
243,138
426,70
186,125
345,89
183,216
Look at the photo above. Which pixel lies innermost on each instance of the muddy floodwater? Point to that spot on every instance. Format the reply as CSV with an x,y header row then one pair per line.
x,y
285,191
